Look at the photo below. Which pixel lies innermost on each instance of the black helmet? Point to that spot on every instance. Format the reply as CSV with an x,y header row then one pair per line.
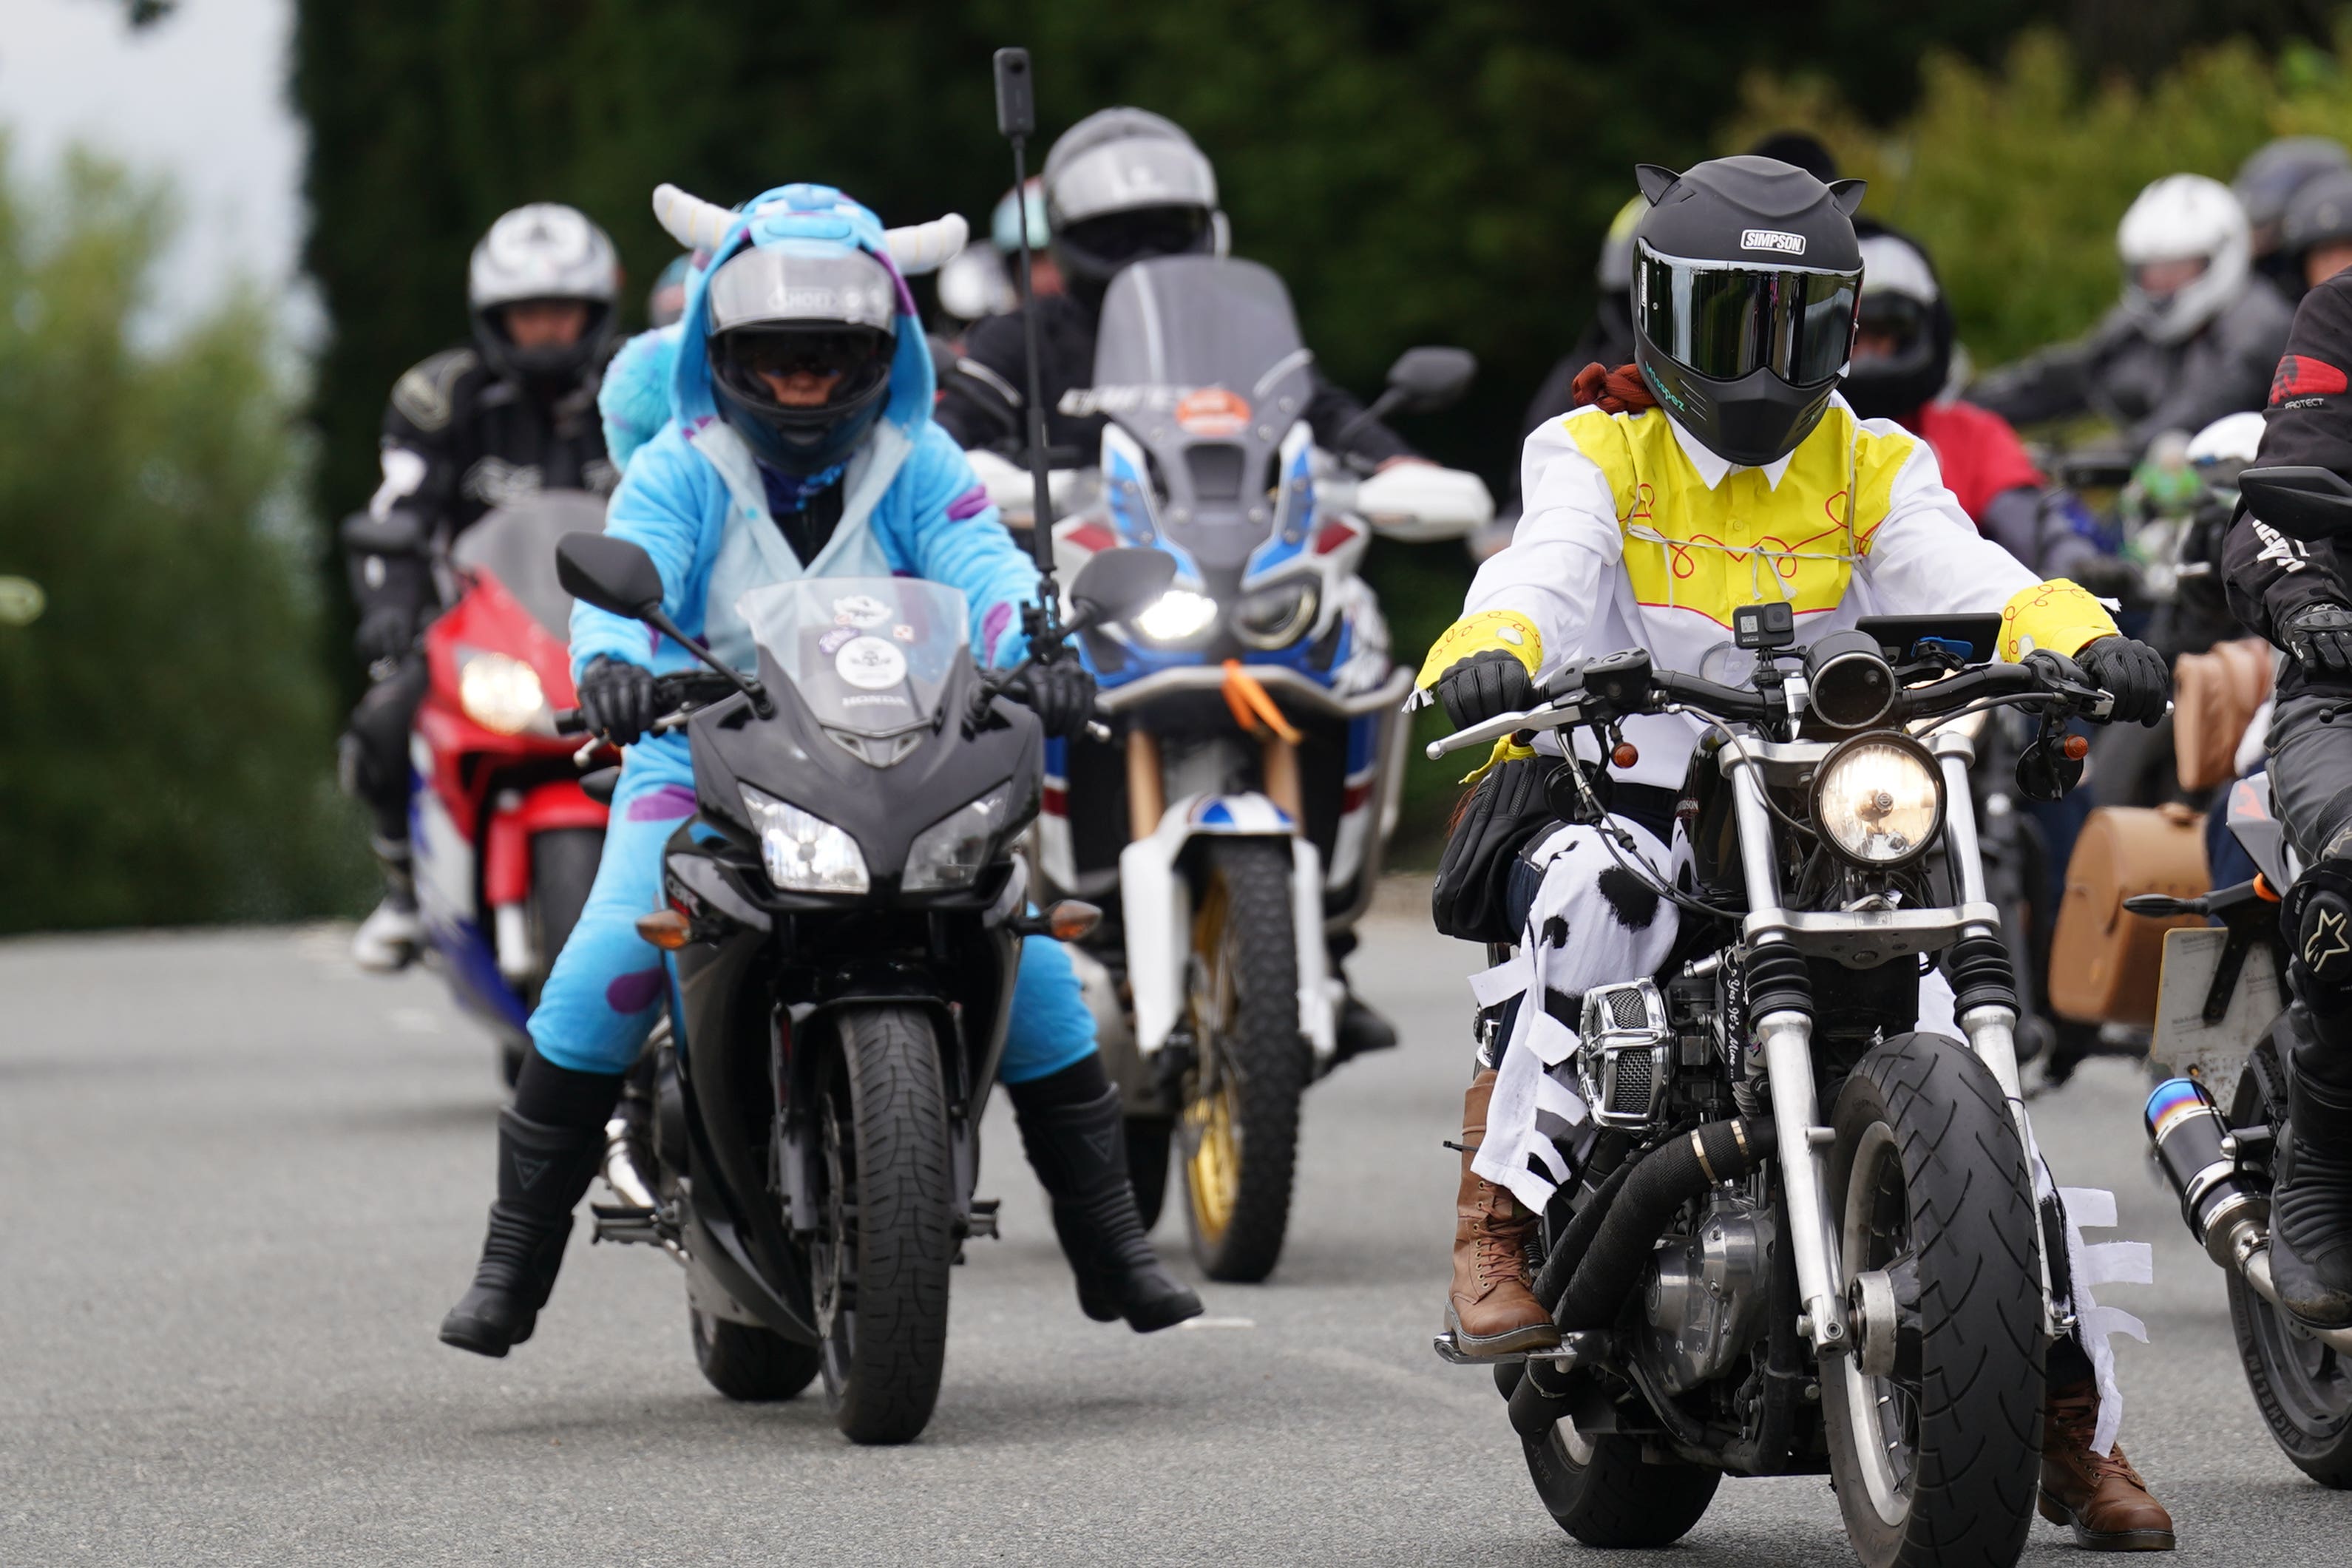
x,y
828,312
2268,181
1745,274
1902,301
1123,184
2321,214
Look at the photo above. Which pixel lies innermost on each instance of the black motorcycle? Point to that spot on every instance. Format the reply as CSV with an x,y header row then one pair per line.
x,y
843,916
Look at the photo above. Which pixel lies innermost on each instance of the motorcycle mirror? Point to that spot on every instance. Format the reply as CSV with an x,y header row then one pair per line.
x,y
1428,379
2304,502
611,574
394,533
1118,583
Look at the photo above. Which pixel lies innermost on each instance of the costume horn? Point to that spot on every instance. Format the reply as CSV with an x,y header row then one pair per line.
x,y
692,222
926,247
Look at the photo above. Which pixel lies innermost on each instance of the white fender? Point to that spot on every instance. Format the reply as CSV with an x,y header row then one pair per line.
x,y
1420,501
1158,906
698,224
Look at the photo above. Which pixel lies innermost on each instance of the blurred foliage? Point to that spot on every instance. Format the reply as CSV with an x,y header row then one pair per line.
x,y
169,730
2016,179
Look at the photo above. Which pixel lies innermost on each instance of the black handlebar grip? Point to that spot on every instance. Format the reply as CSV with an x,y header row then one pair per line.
x,y
570,721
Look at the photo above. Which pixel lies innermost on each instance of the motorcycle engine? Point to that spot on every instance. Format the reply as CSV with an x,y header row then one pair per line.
x,y
1706,1292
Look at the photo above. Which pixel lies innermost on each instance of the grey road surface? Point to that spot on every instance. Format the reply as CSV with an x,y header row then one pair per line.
x,y
243,1182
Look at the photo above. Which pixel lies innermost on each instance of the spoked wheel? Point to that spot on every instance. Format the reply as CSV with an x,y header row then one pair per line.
x,y
1239,1124
2302,1385
1931,1413
1600,1491
878,1264
746,1361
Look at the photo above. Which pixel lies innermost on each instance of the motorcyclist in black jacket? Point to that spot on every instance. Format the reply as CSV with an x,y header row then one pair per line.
x,y
2299,596
2194,336
1124,185
468,430
2267,186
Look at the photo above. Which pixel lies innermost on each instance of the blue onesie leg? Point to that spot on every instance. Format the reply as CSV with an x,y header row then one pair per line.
x,y
1050,1028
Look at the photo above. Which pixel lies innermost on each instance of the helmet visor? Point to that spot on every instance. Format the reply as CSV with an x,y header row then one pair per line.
x,y
801,369
1133,172
779,287
1124,237
1725,321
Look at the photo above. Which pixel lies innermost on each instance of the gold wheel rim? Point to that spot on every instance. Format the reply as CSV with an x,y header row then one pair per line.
x,y
1212,1159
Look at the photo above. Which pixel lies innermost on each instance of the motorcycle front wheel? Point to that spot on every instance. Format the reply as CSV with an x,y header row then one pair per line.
x,y
885,1238
2302,1385
1239,1124
1934,1459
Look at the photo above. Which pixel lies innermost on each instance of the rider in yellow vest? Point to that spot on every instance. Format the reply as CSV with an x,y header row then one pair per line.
x,y
1724,469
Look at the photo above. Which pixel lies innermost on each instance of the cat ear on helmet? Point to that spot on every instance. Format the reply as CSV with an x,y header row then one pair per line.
x,y
692,222
926,247
1847,194
1656,179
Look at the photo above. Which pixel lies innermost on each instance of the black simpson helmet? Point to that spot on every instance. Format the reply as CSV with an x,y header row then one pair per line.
x,y
1746,277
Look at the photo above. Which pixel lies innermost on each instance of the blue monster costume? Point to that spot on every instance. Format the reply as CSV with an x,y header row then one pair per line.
x,y
633,400
695,499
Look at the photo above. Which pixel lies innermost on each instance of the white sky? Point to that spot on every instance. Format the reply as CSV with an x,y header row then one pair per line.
x,y
198,99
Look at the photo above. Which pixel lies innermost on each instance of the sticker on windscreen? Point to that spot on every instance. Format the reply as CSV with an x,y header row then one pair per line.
x,y
830,643
860,610
1214,412
870,663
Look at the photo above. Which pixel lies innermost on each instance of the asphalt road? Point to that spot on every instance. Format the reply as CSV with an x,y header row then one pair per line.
x,y
244,1181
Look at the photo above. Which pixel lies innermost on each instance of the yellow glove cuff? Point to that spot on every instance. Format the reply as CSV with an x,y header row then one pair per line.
x,y
1505,628
2058,615
1504,751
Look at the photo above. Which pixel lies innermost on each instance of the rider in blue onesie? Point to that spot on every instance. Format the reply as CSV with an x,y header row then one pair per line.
x,y
800,444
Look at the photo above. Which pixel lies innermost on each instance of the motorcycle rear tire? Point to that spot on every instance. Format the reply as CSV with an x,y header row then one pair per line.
x,y
1241,1135
1922,1111
749,1364
1600,1490
888,1337
2301,1386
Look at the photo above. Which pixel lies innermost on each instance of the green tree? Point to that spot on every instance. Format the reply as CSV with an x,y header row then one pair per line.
x,y
169,729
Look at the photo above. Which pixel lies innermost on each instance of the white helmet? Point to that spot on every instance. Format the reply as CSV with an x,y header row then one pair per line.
x,y
543,251
2184,217
2227,447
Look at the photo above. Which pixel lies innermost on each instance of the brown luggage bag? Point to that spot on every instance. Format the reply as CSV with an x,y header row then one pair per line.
x,y
2104,963
2214,698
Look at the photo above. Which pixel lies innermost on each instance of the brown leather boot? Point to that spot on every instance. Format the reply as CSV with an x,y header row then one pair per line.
x,y
1491,1310
2099,1497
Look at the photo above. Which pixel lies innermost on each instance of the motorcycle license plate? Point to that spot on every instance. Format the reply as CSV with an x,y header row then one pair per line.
x,y
2183,1039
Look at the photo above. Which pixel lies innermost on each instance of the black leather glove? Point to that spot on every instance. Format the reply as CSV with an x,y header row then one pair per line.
x,y
617,699
2320,638
1062,695
2134,673
386,631
1488,682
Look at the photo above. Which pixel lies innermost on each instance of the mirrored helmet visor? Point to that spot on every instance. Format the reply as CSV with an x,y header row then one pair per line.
x,y
774,286
1726,321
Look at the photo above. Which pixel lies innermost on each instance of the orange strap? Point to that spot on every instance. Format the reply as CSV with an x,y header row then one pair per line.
x,y
1253,705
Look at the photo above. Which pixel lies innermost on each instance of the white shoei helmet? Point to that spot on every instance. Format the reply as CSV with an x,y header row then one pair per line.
x,y
2184,217
543,251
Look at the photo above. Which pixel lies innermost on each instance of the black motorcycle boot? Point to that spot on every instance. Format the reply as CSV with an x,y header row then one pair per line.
x,y
543,1172
1078,1149
2311,1210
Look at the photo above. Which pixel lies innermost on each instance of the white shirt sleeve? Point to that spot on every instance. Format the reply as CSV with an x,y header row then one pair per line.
x,y
1561,562
1927,558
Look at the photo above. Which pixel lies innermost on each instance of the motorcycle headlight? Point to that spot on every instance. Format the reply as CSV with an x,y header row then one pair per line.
x,y
803,854
1879,801
950,854
1277,617
1177,616
502,693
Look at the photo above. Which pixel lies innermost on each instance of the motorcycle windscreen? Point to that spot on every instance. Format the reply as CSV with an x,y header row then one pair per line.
x,y
516,544
1199,357
869,655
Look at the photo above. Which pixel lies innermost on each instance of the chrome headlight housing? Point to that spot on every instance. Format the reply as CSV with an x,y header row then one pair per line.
x,y
804,852
951,852
1177,617
1879,801
1278,616
502,693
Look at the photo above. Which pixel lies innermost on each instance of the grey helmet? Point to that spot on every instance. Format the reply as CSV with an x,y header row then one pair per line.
x,y
1746,276
2321,214
777,310
2267,182
543,251
1123,184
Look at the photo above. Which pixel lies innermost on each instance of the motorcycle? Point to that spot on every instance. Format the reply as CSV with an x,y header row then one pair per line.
x,y
841,982
1234,824
1744,1284
506,838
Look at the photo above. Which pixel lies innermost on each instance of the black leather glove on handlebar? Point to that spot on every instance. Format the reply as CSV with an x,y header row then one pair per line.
x,y
2134,673
386,631
2320,638
617,699
1062,695
1489,682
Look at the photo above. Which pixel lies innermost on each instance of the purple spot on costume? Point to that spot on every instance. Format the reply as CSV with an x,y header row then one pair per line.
x,y
991,627
667,804
634,992
970,504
